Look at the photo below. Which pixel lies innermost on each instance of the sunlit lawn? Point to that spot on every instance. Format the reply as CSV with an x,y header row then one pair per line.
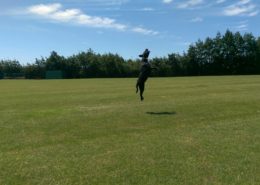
x,y
189,130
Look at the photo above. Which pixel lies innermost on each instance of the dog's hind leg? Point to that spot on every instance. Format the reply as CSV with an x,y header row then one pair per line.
x,y
137,85
141,87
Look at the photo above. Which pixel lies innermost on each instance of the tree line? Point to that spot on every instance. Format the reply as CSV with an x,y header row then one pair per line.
x,y
228,54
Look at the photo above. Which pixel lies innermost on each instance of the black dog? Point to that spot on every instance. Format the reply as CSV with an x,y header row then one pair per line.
x,y
144,73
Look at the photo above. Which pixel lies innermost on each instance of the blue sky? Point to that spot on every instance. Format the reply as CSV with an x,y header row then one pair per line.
x,y
33,28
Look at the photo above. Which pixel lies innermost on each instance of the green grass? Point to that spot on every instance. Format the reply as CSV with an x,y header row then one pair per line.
x,y
192,130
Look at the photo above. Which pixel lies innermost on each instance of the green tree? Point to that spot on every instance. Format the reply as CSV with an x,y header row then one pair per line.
x,y
250,53
72,67
113,65
258,56
162,67
55,62
193,67
36,70
11,68
175,63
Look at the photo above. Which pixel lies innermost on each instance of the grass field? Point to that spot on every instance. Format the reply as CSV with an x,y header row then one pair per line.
x,y
192,130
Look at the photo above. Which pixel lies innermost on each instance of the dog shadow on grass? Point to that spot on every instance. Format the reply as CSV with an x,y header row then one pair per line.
x,y
164,113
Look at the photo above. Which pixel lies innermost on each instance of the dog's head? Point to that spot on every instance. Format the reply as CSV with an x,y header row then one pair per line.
x,y
145,54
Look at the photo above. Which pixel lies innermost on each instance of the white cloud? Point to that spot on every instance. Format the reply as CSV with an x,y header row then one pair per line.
x,y
42,9
56,12
190,3
144,31
147,9
241,2
197,19
241,8
220,1
252,14
103,2
241,26
167,1
66,15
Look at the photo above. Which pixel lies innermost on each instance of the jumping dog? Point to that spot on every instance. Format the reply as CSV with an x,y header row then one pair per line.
x,y
144,73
